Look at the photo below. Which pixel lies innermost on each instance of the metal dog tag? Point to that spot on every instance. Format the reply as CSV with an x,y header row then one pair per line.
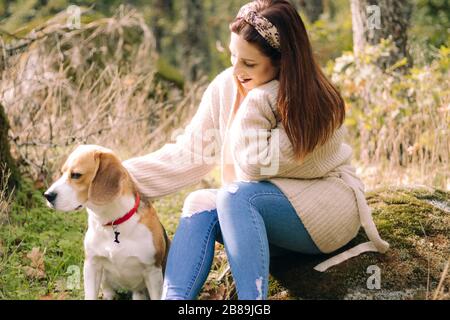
x,y
116,234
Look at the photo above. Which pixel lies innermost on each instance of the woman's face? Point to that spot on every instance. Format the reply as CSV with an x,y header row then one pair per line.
x,y
250,66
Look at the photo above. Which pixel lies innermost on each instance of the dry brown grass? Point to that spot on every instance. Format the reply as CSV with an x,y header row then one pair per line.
x,y
398,121
93,85
5,196
442,291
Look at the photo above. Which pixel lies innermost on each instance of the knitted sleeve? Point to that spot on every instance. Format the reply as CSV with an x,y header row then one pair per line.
x,y
185,162
262,150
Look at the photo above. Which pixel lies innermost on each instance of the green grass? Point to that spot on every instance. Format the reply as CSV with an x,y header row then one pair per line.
x,y
402,217
60,235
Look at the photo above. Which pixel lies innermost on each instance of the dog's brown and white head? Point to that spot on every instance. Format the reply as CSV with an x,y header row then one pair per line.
x,y
91,175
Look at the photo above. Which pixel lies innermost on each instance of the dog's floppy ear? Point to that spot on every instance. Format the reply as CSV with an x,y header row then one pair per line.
x,y
107,182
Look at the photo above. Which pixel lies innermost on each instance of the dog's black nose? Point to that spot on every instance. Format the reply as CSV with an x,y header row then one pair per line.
x,y
50,196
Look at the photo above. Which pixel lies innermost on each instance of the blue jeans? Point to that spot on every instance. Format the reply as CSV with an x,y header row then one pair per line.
x,y
250,218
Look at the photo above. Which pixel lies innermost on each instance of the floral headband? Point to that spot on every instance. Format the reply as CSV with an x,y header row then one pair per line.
x,y
264,27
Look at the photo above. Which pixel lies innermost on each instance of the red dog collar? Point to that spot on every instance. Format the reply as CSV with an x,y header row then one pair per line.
x,y
127,216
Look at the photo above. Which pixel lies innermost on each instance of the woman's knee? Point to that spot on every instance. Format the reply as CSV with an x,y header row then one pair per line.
x,y
230,192
199,201
199,215
235,194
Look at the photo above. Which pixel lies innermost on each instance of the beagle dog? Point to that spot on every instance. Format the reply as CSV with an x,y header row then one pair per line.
x,y
125,245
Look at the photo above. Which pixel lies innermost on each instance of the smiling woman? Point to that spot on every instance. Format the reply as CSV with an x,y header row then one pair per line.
x,y
275,106
250,67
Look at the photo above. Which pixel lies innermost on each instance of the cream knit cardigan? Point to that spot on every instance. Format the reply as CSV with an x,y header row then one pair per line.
x,y
249,143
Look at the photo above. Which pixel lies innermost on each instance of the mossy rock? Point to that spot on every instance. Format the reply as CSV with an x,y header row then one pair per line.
x,y
416,223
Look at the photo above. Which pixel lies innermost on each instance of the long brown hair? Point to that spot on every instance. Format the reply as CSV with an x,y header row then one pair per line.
x,y
311,108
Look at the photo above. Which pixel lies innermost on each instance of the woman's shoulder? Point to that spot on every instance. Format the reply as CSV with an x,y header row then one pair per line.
x,y
221,86
226,74
223,79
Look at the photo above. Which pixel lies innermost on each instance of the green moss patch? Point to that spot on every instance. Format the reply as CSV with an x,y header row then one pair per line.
x,y
415,223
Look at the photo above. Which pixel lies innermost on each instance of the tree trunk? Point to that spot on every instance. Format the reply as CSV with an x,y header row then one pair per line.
x,y
162,9
7,163
196,51
374,20
312,8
